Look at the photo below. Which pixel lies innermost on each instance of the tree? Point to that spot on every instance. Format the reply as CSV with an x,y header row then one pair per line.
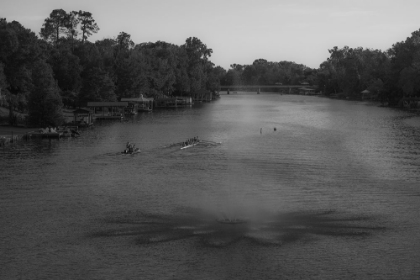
x,y
130,78
97,86
352,70
87,24
71,25
9,41
181,84
196,50
3,86
404,77
214,75
67,71
198,54
55,25
19,48
233,77
124,42
44,104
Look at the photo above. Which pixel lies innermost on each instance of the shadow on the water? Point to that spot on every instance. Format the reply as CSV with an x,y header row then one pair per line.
x,y
209,230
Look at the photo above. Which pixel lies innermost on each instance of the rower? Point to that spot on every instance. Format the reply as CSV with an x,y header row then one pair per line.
x,y
127,147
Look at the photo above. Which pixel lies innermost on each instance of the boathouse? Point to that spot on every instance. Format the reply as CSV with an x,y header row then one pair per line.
x,y
203,96
368,95
107,110
140,104
306,91
82,116
176,101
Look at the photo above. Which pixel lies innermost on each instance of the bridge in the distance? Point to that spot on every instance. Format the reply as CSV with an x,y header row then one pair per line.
x,y
262,87
296,89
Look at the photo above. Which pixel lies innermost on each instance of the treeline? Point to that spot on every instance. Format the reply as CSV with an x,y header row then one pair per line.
x,y
389,76
263,72
62,68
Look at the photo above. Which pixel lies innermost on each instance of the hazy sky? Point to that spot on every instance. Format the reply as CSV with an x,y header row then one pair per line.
x,y
240,31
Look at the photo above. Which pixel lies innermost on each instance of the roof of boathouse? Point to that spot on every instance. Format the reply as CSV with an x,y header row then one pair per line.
x,y
137,99
141,98
306,89
107,104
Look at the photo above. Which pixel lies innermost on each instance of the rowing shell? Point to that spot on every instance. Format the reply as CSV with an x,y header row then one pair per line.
x,y
189,146
136,150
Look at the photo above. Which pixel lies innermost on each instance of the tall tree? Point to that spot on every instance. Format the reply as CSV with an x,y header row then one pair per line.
x,y
71,25
45,105
198,54
97,86
3,84
67,72
87,24
124,42
130,78
197,50
19,48
55,25
404,76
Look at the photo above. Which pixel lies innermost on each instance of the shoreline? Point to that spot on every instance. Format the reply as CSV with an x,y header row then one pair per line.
x,y
7,130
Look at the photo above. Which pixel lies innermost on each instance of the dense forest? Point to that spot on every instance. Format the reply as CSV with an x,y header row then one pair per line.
x,y
61,68
263,72
41,75
391,76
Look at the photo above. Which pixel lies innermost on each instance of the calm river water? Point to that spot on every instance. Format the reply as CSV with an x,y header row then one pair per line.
x,y
299,188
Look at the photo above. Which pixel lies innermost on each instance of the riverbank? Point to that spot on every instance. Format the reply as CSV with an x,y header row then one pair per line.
x,y
12,134
7,130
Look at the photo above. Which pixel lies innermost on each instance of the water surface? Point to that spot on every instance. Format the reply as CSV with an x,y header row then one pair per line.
x,y
315,188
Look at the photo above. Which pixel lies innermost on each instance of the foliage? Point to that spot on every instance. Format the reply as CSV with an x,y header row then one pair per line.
x,y
61,24
54,26
390,75
404,73
67,69
44,104
97,86
62,68
88,26
19,49
78,71
263,72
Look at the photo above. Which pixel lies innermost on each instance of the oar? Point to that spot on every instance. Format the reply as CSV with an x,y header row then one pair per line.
x,y
212,142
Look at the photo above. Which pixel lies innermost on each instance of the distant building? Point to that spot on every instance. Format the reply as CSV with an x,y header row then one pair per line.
x,y
368,95
140,103
175,101
107,110
306,91
82,116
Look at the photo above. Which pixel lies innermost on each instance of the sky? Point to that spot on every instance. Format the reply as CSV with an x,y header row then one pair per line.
x,y
241,31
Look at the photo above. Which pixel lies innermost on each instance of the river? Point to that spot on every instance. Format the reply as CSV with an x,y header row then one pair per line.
x,y
287,187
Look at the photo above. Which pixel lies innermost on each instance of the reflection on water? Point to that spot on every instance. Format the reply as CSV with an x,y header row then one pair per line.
x,y
331,193
211,230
